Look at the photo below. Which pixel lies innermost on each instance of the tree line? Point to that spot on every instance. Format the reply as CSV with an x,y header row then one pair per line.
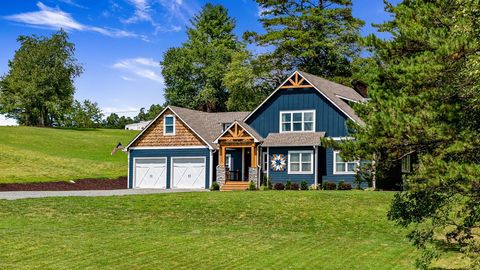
x,y
423,86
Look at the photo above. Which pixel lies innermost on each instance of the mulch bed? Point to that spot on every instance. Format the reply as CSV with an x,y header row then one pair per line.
x,y
81,184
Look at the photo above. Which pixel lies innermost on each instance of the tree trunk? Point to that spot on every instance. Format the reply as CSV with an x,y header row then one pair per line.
x,y
374,171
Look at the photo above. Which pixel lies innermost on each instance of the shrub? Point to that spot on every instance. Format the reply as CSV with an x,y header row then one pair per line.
x,y
269,183
295,186
329,186
264,180
279,186
252,186
304,185
344,186
215,186
263,187
288,185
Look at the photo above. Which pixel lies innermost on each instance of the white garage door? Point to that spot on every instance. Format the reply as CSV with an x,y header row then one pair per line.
x,y
151,173
188,172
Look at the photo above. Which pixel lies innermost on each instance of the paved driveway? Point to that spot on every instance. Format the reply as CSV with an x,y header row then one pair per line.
x,y
15,195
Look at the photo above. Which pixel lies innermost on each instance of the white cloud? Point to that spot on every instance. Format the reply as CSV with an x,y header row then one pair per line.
x,y
261,10
175,11
55,18
121,111
140,67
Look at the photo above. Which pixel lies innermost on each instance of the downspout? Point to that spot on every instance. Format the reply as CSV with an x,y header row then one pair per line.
x,y
316,165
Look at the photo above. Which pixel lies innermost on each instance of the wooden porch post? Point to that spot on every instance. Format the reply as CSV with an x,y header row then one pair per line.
x,y
253,162
221,155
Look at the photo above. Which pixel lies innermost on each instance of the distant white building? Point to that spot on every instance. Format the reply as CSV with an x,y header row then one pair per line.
x,y
137,126
7,121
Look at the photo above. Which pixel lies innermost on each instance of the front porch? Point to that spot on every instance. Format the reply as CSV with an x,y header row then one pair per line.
x,y
237,158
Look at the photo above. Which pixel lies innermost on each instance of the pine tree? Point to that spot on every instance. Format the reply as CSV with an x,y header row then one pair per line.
x,y
424,101
194,72
319,37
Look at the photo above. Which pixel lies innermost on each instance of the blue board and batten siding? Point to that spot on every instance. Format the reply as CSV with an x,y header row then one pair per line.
x,y
169,153
328,175
284,176
328,118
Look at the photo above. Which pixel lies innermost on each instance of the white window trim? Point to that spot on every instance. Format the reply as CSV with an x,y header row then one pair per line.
x,y
229,158
346,165
165,124
265,162
406,161
300,161
303,121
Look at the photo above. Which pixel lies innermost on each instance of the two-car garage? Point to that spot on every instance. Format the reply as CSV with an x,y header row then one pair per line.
x,y
165,170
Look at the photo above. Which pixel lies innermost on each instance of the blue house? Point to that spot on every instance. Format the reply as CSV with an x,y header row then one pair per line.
x,y
280,139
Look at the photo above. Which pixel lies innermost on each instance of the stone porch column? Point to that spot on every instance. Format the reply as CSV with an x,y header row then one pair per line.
x,y
253,175
221,174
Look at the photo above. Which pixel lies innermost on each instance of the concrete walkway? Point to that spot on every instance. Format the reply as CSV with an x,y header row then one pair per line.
x,y
15,195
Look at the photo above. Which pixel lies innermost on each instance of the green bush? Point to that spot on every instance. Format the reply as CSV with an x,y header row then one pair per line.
x,y
288,185
304,185
215,186
269,183
344,186
263,187
252,186
329,186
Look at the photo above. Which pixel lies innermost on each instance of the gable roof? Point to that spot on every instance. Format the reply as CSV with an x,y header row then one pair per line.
x,y
330,90
252,132
205,125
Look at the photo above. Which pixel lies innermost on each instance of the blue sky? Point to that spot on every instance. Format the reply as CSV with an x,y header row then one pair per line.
x,y
120,43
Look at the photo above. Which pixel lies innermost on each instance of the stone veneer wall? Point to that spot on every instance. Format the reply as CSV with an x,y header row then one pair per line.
x,y
221,174
253,175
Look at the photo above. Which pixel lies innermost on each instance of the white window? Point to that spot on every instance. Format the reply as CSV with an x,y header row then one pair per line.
x,y
297,121
343,167
169,125
300,162
228,161
406,164
265,162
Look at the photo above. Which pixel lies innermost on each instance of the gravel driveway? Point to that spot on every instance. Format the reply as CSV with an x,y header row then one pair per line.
x,y
15,195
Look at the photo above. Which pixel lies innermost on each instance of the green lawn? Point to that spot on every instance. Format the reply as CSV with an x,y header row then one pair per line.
x,y
29,154
215,230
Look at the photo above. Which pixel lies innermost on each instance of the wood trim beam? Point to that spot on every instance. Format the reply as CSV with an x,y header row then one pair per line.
x,y
296,86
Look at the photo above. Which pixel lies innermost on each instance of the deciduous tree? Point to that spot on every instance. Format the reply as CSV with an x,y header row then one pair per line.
x,y
38,88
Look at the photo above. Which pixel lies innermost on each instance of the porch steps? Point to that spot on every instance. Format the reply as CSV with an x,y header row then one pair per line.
x,y
234,185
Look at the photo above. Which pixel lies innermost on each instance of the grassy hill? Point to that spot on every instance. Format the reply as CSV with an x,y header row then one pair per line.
x,y
207,230
29,154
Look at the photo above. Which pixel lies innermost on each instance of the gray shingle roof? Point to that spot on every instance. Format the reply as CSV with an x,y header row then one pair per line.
x,y
293,139
332,90
208,125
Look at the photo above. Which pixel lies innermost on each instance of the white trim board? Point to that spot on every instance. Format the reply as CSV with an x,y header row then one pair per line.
x,y
168,147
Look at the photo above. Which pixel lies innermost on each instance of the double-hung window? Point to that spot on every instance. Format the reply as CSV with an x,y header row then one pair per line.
x,y
406,164
169,125
300,162
343,167
295,121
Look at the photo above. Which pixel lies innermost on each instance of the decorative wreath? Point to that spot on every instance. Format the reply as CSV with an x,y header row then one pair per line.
x,y
279,162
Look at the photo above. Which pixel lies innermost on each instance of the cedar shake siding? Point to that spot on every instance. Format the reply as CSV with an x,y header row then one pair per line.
x,y
154,136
